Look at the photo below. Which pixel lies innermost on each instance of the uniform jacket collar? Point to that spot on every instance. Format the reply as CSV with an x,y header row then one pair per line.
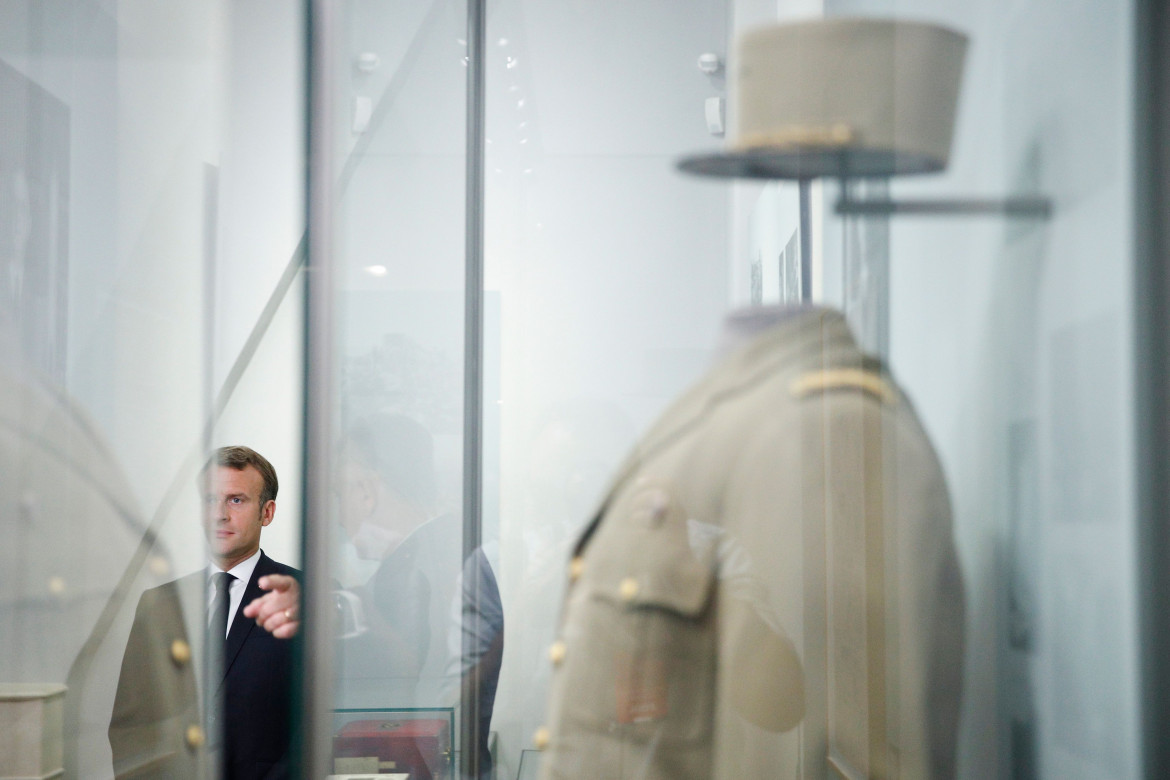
x,y
814,338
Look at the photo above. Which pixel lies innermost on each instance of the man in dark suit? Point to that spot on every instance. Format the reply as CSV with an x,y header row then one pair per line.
x,y
243,670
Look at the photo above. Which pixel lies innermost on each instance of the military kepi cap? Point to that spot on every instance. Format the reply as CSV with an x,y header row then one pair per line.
x,y
841,97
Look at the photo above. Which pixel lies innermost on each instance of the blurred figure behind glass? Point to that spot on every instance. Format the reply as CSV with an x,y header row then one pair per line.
x,y
434,621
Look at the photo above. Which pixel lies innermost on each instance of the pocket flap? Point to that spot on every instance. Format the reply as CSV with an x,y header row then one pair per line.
x,y
646,557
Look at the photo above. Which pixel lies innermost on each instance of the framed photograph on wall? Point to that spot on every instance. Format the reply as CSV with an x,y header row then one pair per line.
x,y
34,220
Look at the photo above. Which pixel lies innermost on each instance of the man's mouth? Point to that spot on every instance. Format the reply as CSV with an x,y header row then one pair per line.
x,y
222,534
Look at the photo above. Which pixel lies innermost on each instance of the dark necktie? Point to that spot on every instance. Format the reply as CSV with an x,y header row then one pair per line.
x,y
219,605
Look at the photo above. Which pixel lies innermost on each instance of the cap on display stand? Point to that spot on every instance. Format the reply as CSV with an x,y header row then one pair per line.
x,y
842,97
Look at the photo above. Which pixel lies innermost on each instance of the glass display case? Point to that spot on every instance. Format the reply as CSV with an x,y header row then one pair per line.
x,y
453,290
389,744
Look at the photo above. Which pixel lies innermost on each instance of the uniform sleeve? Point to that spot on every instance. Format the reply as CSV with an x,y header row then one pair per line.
x,y
156,703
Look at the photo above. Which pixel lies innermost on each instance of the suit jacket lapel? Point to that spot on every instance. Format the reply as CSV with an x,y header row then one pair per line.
x,y
242,626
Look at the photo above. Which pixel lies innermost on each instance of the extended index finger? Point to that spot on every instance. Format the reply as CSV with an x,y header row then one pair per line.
x,y
276,582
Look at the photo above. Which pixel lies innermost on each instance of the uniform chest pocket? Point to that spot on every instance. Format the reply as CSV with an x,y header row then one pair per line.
x,y
640,629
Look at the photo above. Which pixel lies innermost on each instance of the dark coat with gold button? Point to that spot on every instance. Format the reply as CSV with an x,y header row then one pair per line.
x,y
158,728
770,588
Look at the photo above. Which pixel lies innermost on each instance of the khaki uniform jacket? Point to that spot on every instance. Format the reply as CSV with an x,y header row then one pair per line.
x,y
157,728
770,588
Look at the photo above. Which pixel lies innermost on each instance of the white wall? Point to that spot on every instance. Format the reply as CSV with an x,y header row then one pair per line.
x,y
154,98
260,221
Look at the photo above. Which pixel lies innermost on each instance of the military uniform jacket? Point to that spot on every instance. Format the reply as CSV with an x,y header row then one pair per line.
x,y
770,588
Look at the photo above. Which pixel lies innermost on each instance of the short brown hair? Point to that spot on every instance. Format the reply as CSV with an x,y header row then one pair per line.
x,y
239,458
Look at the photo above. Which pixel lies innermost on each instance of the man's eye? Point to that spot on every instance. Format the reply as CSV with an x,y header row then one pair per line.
x,y
237,500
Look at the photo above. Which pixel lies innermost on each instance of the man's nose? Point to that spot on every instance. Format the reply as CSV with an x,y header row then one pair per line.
x,y
217,511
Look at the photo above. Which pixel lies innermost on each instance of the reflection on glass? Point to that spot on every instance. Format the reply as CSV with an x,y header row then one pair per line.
x,y
425,624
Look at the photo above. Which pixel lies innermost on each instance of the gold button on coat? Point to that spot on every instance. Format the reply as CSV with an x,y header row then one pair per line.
x,y
180,652
659,502
576,568
556,653
540,738
195,737
629,589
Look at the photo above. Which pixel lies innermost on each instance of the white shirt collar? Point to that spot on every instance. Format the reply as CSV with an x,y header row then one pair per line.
x,y
242,571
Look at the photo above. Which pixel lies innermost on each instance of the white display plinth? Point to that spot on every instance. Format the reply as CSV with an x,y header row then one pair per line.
x,y
32,737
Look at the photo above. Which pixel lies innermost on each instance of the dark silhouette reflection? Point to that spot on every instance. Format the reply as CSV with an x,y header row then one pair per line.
x,y
427,628
777,552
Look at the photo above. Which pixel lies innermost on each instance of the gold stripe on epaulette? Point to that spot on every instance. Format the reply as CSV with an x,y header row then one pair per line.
x,y
835,136
843,378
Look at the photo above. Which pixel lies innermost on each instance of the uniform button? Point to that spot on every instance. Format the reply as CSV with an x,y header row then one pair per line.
x,y
556,653
576,568
195,737
540,738
658,503
159,566
180,652
56,585
629,589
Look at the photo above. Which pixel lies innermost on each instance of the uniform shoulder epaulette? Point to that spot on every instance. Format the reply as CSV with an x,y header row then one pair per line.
x,y
844,379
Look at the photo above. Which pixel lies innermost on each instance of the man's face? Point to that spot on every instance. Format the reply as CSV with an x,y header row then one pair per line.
x,y
354,486
375,517
234,514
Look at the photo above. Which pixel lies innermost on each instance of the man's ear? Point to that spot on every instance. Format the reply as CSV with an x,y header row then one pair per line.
x,y
367,486
269,511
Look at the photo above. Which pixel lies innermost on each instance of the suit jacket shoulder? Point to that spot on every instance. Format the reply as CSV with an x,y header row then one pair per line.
x,y
267,565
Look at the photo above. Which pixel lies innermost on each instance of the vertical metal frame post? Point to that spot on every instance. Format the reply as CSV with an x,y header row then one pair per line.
x,y
1151,166
473,360
314,703
473,283
804,188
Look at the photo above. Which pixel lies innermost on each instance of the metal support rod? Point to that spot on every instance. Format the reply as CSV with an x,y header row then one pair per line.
x,y
470,736
1015,207
473,285
315,690
804,188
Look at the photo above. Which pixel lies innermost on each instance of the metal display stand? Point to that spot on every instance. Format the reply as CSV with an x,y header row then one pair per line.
x,y
805,163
